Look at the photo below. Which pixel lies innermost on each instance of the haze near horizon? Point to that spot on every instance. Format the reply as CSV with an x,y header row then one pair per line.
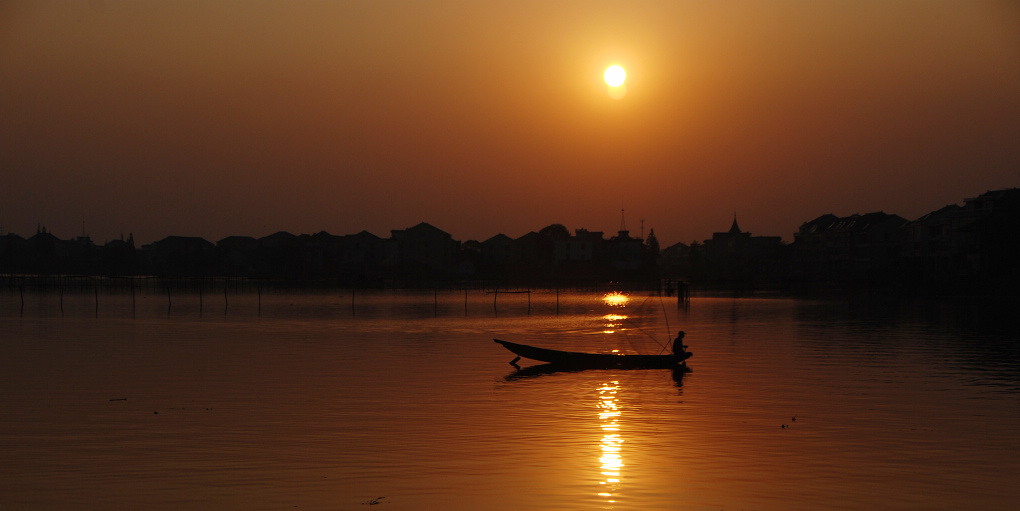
x,y
246,118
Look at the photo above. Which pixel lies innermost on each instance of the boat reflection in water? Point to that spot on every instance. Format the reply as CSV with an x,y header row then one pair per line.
x,y
611,444
524,373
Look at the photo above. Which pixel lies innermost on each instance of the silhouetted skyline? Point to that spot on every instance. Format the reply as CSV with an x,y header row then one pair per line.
x,y
213,119
969,248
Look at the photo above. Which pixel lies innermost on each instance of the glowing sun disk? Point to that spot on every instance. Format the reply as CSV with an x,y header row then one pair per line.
x,y
615,76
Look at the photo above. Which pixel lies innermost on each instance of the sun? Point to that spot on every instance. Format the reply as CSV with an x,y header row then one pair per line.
x,y
615,76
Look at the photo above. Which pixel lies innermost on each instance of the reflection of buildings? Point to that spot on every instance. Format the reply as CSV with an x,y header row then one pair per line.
x,y
611,445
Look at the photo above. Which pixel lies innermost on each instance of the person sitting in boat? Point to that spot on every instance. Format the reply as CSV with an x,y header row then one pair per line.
x,y
679,348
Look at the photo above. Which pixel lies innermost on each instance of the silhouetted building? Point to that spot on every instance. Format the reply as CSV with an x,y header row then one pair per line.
x,y
280,256
119,257
970,248
651,256
12,251
930,252
495,257
237,256
994,237
976,243
583,248
675,262
737,259
626,253
579,257
179,256
528,257
362,259
422,252
855,248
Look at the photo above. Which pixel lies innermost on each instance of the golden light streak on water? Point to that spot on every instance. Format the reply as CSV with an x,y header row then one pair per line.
x,y
613,321
611,445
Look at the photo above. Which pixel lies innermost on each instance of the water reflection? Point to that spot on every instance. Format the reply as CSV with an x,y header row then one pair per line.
x,y
528,372
891,412
613,321
611,445
615,299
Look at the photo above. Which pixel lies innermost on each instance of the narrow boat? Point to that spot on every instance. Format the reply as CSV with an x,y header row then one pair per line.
x,y
593,360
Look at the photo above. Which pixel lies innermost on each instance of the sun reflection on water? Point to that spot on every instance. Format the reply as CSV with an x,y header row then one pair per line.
x,y
613,321
615,299
611,445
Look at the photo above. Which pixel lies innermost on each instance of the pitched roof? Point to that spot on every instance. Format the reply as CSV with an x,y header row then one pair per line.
x,y
734,229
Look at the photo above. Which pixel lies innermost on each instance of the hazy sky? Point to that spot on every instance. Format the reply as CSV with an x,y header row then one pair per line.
x,y
215,118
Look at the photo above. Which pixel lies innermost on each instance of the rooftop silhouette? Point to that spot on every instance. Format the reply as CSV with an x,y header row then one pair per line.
x,y
955,248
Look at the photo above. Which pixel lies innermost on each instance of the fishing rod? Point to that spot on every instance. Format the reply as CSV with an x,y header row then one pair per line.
x,y
650,336
669,331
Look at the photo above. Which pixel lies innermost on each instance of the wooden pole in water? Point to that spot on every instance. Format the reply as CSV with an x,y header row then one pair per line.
x,y
435,301
352,300
557,301
169,302
495,294
529,302
465,301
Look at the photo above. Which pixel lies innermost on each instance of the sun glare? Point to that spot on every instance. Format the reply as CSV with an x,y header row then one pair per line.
x,y
615,299
615,76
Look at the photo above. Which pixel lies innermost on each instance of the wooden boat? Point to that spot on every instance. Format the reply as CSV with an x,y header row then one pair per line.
x,y
593,360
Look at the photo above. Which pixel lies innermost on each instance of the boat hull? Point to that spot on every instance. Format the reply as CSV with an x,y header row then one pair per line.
x,y
593,360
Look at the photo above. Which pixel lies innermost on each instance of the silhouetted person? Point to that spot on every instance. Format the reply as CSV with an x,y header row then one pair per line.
x,y
679,348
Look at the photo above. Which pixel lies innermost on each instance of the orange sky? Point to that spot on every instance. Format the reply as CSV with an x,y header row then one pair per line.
x,y
216,118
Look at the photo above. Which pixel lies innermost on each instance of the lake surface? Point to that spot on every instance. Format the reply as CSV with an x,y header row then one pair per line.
x,y
120,400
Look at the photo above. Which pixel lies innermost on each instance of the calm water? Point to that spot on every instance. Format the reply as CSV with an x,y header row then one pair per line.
x,y
402,400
